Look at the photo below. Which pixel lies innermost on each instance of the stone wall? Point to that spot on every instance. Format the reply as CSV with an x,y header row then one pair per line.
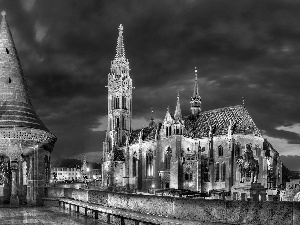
x,y
204,210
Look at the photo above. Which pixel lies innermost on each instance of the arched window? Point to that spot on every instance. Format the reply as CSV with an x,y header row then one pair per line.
x,y
186,176
168,156
167,131
205,171
237,151
170,130
149,163
220,150
223,171
217,171
134,166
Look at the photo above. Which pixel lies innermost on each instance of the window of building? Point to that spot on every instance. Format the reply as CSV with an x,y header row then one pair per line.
x,y
237,151
168,156
205,169
149,164
223,171
220,150
217,171
134,166
170,131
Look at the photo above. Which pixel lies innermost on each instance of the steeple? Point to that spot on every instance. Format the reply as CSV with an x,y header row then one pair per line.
x,y
177,114
151,119
196,99
16,108
120,50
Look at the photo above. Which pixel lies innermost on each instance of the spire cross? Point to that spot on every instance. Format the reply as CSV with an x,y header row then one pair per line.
x,y
243,101
196,76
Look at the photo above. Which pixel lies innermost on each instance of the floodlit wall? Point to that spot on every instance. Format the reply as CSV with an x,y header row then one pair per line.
x,y
204,210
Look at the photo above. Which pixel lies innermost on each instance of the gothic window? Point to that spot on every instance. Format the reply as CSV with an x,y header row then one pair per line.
x,y
167,131
205,171
220,150
149,164
134,166
170,130
223,171
124,102
168,156
237,151
217,172
7,51
124,123
186,176
117,122
118,103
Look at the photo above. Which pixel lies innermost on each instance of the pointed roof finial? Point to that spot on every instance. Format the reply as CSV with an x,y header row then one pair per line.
x,y
3,13
243,101
196,84
152,118
177,114
120,50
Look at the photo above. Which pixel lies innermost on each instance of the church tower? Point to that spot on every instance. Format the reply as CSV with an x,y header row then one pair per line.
x,y
196,99
119,97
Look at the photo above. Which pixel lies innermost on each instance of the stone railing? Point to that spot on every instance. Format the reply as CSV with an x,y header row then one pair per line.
x,y
194,210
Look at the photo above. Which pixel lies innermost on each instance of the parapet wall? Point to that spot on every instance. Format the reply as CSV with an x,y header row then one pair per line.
x,y
204,210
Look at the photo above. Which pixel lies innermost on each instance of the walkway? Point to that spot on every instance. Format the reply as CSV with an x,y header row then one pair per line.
x,y
43,215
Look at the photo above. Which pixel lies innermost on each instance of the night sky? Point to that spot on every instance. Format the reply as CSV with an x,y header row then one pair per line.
x,y
247,49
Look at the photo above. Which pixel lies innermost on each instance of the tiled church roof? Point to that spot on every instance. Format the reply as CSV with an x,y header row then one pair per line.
x,y
148,133
219,119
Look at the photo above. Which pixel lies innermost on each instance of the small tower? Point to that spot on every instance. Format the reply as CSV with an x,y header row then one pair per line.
x,y
178,123
196,99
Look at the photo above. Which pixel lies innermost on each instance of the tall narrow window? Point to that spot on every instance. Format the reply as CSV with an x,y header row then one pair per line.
x,y
170,131
134,166
167,131
217,171
149,164
168,156
117,122
220,150
223,171
237,151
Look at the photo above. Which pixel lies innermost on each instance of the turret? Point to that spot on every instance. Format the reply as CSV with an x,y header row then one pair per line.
x,y
196,99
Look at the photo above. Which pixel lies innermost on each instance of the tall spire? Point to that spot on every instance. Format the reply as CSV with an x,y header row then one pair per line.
x,y
196,99
196,84
177,114
120,50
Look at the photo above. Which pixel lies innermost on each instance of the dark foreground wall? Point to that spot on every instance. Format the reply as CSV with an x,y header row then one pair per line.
x,y
231,212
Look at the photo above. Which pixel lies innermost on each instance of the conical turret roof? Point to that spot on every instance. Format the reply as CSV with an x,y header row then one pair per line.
x,y
16,109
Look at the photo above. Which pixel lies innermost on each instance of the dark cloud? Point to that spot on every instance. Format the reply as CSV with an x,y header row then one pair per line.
x,y
248,48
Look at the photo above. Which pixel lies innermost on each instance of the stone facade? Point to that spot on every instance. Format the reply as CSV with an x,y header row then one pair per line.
x,y
25,142
205,151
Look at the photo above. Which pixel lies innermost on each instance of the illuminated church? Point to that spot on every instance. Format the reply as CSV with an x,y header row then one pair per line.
x,y
219,149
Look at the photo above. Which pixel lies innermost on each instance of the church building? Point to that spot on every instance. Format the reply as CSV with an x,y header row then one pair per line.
x,y
215,150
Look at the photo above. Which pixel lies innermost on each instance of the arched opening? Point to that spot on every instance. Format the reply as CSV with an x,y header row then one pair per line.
x,y
7,51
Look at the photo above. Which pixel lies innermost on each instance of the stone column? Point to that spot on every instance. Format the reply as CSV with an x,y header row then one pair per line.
x,y
14,199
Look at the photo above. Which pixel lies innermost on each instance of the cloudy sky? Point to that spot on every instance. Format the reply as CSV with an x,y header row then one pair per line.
x,y
247,49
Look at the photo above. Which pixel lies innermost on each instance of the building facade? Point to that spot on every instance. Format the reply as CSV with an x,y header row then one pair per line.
x,y
218,149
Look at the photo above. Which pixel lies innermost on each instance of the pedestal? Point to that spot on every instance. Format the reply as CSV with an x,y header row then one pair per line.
x,y
14,200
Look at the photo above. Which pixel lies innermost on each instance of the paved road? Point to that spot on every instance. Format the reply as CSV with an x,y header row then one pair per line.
x,y
43,215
